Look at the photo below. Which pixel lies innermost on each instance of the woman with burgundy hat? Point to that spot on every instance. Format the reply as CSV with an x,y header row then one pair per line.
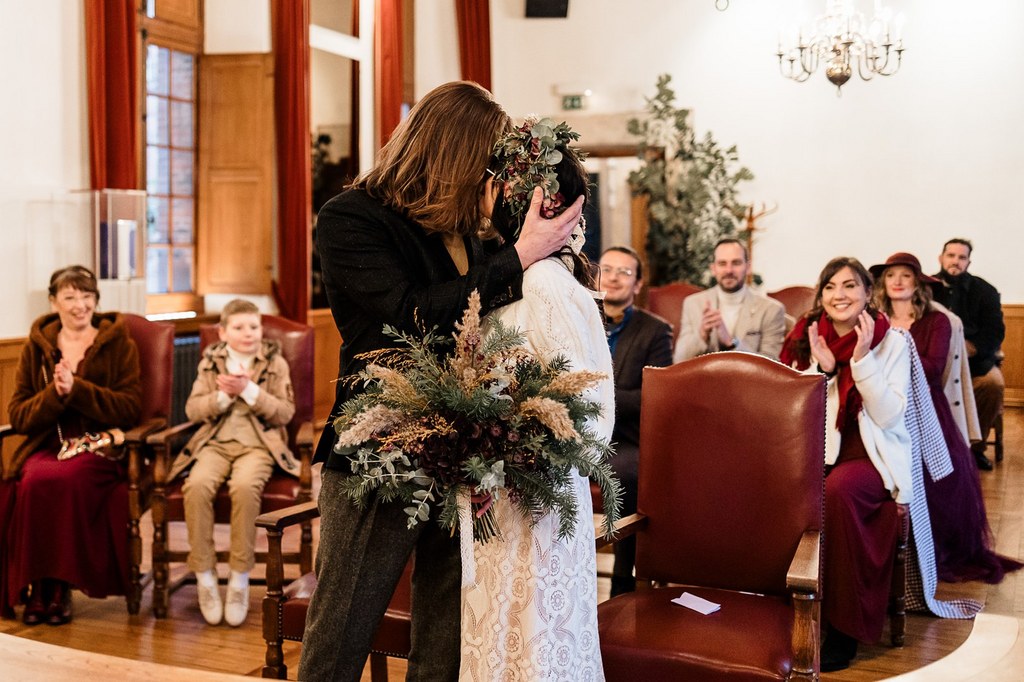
x,y
955,505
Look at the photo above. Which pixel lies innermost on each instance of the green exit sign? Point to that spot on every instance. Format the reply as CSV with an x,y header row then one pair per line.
x,y
570,102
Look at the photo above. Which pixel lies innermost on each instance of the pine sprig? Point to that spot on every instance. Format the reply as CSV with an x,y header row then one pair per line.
x,y
490,418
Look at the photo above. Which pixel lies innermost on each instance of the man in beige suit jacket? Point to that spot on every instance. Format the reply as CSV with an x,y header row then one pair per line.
x,y
729,316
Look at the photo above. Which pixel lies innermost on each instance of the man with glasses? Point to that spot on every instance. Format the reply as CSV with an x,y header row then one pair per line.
x,y
636,339
729,316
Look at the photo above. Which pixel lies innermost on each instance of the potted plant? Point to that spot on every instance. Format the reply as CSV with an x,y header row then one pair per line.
x,y
690,186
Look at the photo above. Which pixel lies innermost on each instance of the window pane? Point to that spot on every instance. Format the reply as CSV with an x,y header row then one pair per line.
x,y
156,120
181,124
158,70
182,219
181,173
156,219
156,270
158,179
182,270
182,74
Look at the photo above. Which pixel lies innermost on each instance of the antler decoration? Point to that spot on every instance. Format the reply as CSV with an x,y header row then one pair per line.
x,y
753,215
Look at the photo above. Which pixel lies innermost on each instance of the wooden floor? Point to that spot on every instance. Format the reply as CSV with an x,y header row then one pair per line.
x,y
990,648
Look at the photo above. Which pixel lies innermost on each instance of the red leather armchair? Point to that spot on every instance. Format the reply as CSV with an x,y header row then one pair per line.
x,y
730,509
282,490
797,300
667,302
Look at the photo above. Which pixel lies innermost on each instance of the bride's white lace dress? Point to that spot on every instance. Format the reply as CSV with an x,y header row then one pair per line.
x,y
532,614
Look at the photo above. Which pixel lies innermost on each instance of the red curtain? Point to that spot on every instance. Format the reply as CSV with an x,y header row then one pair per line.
x,y
388,63
290,26
474,20
111,49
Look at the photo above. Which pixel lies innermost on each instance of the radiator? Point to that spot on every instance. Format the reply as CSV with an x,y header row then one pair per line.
x,y
186,360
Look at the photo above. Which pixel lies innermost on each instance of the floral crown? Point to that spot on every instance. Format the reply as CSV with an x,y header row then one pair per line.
x,y
527,157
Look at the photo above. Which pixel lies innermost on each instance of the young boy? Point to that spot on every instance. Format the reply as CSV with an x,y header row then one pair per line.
x,y
243,397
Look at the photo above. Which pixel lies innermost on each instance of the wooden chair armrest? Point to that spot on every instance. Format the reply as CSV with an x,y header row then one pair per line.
x,y
623,528
289,516
304,435
140,432
804,574
164,436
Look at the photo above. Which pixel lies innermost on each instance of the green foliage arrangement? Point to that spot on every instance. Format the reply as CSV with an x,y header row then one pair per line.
x,y
691,189
488,421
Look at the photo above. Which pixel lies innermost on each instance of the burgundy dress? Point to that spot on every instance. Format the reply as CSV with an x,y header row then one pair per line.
x,y
860,535
68,520
959,524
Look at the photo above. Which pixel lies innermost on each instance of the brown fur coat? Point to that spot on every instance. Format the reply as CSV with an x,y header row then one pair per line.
x,y
106,392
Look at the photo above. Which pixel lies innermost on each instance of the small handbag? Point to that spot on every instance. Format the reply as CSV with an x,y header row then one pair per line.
x,y
101,444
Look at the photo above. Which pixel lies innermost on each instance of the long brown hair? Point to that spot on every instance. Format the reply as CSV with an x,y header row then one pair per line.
x,y
433,167
800,346
920,301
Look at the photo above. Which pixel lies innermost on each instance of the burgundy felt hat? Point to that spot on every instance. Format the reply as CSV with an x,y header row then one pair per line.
x,y
902,258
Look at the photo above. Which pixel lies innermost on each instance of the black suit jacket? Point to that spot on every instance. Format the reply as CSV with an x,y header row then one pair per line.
x,y
645,341
380,267
976,303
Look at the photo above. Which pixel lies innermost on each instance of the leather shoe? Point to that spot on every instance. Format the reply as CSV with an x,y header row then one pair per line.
x,y
210,604
236,606
984,463
837,651
59,610
35,609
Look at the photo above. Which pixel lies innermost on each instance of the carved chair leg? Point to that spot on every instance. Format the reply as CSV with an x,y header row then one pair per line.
x,y
273,602
306,549
898,591
134,596
806,636
160,562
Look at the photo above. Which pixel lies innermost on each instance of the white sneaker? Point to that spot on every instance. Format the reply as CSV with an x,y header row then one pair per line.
x,y
210,604
237,607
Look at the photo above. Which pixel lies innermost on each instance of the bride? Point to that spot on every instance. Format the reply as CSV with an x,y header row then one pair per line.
x,y
531,613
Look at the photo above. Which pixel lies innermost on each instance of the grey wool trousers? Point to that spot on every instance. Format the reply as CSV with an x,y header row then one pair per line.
x,y
361,556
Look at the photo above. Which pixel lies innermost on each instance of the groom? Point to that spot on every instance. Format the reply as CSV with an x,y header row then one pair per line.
x,y
399,247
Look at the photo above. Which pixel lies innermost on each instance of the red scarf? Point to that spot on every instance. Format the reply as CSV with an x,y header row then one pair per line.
x,y
842,348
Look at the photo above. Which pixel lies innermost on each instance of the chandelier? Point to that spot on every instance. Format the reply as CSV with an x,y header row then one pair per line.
x,y
845,41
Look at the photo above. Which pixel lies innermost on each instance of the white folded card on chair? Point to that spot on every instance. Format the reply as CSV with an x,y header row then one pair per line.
x,y
692,601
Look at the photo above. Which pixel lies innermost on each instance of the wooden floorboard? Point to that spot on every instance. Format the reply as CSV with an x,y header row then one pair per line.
x,y
184,639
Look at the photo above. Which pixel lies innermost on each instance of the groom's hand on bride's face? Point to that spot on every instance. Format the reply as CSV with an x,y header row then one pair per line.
x,y
541,237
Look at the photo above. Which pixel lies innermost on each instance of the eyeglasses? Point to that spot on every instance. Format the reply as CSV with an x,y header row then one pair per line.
x,y
622,272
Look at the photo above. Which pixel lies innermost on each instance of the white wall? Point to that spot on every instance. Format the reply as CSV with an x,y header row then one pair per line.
x,y
895,164
43,137
236,26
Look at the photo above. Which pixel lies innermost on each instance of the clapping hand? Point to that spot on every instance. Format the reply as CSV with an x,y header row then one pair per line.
x,y
63,377
233,384
711,322
820,351
865,330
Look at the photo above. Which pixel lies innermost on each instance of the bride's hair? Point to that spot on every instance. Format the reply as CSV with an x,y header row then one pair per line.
x,y
572,179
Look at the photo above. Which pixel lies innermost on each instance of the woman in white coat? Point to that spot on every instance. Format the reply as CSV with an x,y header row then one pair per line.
x,y
867,451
